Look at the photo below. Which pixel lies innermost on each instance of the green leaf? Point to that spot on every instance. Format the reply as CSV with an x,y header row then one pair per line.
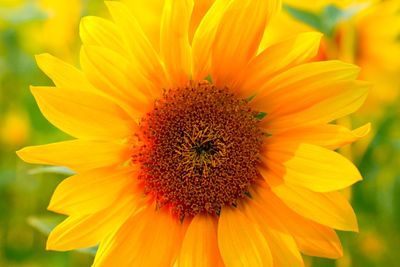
x,y
52,169
305,16
327,19
331,16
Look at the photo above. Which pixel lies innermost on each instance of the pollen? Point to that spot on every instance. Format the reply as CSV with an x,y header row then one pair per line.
x,y
200,149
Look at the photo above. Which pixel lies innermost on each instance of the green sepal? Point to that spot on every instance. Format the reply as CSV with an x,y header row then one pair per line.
x,y
209,78
260,116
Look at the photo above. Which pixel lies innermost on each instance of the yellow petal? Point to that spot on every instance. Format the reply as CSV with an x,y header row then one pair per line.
x,y
200,246
174,42
82,231
327,110
62,74
200,8
312,74
282,245
270,177
330,209
204,38
148,15
82,114
312,238
141,50
101,32
110,72
238,37
286,54
313,167
309,105
346,97
68,77
78,155
92,191
240,241
283,248
309,82
316,240
330,136
149,238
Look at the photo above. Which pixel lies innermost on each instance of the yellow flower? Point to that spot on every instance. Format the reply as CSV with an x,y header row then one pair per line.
x,y
199,151
379,51
14,128
369,39
58,32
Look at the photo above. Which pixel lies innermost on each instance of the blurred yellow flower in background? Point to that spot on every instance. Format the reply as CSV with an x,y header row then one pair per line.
x,y
378,53
367,36
14,128
49,25
192,146
59,30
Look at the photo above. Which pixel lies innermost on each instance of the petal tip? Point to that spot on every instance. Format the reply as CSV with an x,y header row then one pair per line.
x,y
353,227
53,243
22,153
54,204
44,60
363,130
50,207
42,56
33,89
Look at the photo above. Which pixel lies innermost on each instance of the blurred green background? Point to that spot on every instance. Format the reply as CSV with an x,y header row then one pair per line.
x,y
31,27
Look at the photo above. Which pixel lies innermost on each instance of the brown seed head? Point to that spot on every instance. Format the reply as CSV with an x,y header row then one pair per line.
x,y
200,149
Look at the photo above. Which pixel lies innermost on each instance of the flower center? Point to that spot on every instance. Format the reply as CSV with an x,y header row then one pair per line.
x,y
200,149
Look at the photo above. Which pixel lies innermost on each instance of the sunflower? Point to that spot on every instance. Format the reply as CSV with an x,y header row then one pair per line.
x,y
198,150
